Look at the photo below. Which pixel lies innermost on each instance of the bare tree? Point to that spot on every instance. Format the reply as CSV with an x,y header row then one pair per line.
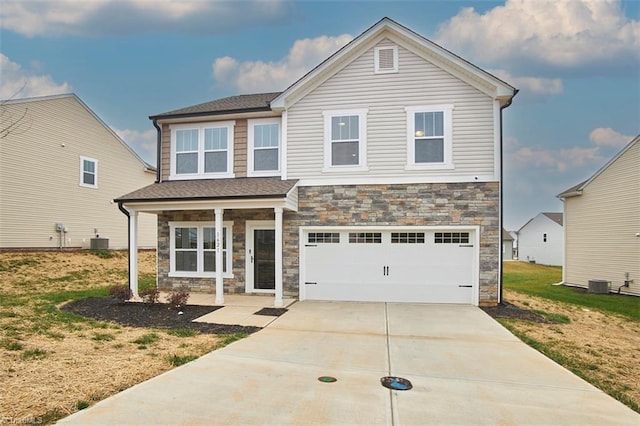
x,y
13,122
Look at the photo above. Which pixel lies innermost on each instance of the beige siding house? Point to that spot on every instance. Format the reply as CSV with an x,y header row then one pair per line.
x,y
61,167
375,177
602,225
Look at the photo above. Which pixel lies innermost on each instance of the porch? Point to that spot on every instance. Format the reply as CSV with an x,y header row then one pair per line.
x,y
203,250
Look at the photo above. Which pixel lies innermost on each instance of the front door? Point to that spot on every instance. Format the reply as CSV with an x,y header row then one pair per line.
x,y
264,259
260,256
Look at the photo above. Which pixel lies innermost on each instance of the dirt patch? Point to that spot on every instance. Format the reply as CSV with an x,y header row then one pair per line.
x,y
605,347
158,315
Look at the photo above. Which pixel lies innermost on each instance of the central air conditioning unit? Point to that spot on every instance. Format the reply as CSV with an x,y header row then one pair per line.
x,y
598,286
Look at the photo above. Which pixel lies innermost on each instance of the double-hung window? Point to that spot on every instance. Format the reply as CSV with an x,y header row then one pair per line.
x,y
345,140
429,140
264,147
202,150
193,249
88,172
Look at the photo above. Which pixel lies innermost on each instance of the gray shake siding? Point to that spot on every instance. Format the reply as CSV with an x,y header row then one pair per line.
x,y
447,204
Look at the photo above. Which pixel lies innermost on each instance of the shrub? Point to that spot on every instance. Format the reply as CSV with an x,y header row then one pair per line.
x,y
120,292
150,295
178,297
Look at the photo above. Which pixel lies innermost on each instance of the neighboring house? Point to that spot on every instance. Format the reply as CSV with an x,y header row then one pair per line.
x,y
602,225
507,245
541,239
60,169
375,177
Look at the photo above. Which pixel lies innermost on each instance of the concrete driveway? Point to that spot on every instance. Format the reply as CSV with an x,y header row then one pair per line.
x,y
465,369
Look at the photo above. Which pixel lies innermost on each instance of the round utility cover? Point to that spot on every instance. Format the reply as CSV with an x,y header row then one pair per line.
x,y
327,379
396,383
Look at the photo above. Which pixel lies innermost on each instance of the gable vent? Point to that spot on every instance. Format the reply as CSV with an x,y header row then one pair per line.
x,y
386,59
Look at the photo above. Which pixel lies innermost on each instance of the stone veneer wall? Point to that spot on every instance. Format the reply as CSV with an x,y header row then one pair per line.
x,y
238,217
351,205
402,205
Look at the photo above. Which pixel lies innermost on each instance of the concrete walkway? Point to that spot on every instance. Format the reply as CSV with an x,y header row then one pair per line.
x,y
465,369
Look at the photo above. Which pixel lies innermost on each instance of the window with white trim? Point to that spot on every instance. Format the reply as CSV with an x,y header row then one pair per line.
x,y
202,150
264,147
345,139
385,59
429,140
192,249
88,172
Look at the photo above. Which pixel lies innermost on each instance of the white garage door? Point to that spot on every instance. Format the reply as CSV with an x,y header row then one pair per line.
x,y
430,266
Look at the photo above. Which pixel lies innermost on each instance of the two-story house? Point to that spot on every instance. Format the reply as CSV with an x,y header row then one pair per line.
x,y
61,167
374,177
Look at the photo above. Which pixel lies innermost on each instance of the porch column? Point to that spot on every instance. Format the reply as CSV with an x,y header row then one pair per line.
x,y
219,262
278,299
133,253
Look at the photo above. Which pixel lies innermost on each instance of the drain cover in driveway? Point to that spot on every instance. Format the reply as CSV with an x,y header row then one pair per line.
x,y
396,383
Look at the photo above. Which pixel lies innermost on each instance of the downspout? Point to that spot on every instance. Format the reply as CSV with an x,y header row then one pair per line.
x,y
501,256
159,150
126,213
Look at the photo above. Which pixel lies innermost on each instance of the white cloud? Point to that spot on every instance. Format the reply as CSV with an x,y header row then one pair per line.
x,y
606,136
18,82
143,143
257,76
561,34
535,86
99,17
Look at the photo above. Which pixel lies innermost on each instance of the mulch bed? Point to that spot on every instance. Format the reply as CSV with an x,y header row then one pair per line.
x,y
507,310
158,315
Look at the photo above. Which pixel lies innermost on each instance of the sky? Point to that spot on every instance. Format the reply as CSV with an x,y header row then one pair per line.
x,y
575,62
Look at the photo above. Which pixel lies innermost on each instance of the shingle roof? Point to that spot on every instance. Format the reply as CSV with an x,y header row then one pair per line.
x,y
239,103
556,217
211,189
506,235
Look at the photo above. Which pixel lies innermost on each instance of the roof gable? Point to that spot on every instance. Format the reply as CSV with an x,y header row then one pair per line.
x,y
88,110
428,50
577,189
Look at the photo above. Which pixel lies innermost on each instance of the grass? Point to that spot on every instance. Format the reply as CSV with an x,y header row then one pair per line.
x,y
147,339
182,332
177,360
578,367
537,280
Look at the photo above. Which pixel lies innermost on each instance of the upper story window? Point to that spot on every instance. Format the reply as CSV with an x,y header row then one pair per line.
x,y
264,147
202,150
345,140
429,140
88,172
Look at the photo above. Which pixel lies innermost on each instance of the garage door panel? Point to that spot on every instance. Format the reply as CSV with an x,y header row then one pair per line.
x,y
399,267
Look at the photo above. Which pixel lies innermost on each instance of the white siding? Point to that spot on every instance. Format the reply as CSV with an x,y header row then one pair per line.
x,y
418,82
601,226
531,244
40,179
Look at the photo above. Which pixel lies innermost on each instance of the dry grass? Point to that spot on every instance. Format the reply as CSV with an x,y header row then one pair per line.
x,y
602,348
51,362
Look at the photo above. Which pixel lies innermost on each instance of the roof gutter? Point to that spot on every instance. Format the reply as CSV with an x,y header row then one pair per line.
x,y
159,148
570,194
500,255
209,113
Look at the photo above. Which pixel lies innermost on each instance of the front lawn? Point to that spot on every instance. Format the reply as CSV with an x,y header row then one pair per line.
x,y
538,280
596,336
